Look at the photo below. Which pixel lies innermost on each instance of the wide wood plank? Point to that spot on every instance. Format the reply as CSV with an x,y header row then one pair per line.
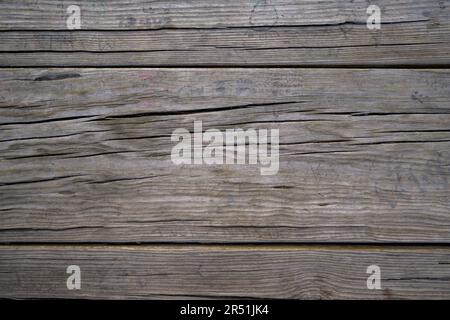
x,y
85,155
291,272
215,33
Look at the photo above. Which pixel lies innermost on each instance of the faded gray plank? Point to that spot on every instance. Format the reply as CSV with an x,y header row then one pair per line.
x,y
294,272
132,14
211,33
85,155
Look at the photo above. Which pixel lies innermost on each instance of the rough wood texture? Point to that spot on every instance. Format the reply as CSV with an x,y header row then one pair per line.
x,y
295,272
239,32
85,155
85,152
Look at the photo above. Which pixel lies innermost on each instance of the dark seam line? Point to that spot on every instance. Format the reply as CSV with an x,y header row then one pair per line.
x,y
264,27
235,244
445,66
220,48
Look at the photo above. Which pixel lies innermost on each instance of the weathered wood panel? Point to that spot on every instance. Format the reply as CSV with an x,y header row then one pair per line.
x,y
145,14
85,155
294,272
212,33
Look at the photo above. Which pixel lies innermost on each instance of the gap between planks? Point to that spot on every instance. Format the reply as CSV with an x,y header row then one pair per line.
x,y
372,247
443,67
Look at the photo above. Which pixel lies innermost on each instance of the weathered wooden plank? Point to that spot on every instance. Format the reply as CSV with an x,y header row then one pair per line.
x,y
294,272
85,155
212,33
132,14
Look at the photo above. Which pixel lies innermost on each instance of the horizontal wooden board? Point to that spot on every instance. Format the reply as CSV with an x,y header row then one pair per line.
x,y
85,155
217,33
147,14
164,272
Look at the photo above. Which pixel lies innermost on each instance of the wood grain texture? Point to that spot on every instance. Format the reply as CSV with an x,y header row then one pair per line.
x,y
85,170
85,155
217,33
294,272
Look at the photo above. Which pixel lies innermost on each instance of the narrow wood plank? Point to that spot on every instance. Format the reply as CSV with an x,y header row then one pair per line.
x,y
214,33
292,272
85,155
147,14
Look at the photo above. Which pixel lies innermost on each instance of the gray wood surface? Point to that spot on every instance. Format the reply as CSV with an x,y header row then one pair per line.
x,y
215,33
85,155
86,177
295,272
